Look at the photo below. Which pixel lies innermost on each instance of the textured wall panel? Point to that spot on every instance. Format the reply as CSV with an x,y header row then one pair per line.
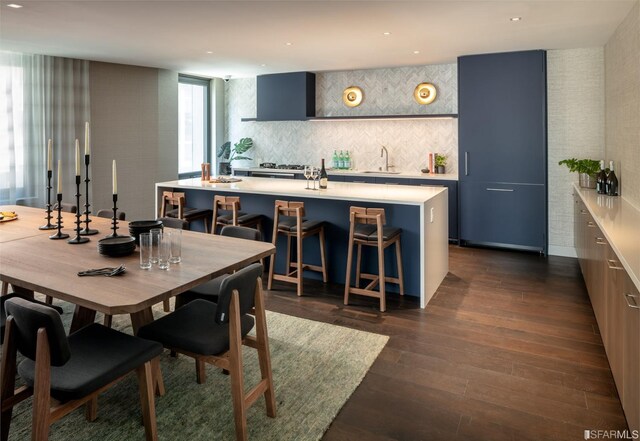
x,y
575,93
388,91
622,68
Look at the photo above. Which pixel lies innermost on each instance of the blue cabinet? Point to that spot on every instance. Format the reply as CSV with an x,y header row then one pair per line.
x,y
286,97
503,150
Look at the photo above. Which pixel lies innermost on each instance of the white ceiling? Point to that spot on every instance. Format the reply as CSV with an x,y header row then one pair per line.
x,y
325,35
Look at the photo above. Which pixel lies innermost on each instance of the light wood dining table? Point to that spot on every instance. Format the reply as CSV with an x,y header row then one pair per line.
x,y
31,262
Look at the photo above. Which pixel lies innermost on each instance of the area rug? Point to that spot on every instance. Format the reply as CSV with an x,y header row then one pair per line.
x,y
316,368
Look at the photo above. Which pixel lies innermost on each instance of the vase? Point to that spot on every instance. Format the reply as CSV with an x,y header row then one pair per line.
x,y
440,169
587,181
224,168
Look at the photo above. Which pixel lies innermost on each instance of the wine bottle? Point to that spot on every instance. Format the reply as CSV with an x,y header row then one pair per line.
x,y
324,178
612,181
334,160
347,160
601,179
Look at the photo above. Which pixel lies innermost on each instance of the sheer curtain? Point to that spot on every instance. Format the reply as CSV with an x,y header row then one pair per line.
x,y
41,97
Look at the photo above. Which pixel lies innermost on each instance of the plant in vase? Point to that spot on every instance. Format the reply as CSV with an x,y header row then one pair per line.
x,y
227,154
440,163
586,168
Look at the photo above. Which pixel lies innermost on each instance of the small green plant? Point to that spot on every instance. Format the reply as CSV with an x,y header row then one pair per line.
x,y
588,166
441,160
229,154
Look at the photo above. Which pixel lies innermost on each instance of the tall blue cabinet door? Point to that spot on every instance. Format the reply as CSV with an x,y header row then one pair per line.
x,y
502,117
499,214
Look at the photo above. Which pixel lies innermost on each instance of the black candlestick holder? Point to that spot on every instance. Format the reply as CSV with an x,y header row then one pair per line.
x,y
59,234
86,231
78,239
114,220
49,225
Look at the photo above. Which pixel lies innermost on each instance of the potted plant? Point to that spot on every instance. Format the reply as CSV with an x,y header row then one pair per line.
x,y
586,168
227,154
440,163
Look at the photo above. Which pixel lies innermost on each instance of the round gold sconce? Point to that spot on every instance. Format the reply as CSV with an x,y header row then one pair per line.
x,y
425,93
352,96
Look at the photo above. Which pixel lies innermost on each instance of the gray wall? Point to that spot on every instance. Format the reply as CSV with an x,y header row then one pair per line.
x,y
387,92
622,88
134,120
575,105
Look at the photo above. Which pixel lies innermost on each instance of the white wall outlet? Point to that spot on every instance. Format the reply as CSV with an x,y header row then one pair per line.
x,y
431,215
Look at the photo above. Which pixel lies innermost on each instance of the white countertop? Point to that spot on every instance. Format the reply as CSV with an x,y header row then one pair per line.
x,y
347,191
619,221
361,173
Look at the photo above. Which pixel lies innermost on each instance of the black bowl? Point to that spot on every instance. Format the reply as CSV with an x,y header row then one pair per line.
x,y
142,226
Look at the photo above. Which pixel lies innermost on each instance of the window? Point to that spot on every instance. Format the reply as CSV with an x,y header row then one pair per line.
x,y
194,135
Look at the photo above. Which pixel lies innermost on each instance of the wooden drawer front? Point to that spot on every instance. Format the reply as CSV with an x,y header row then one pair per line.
x,y
631,354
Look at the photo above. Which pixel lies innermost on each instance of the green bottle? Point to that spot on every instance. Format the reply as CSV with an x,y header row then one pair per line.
x,y
347,160
341,160
334,160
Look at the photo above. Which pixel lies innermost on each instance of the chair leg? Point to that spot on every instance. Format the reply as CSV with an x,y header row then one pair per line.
x,y
157,376
299,260
147,400
383,297
166,305
358,265
235,369
108,320
400,270
323,259
201,374
48,300
264,356
272,262
5,289
91,409
41,389
288,264
8,376
347,281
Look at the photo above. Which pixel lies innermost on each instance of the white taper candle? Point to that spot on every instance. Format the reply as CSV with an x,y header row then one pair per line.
x,y
59,176
50,155
77,157
115,178
87,147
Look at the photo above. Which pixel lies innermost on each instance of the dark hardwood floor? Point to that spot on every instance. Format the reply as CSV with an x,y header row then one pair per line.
x,y
508,349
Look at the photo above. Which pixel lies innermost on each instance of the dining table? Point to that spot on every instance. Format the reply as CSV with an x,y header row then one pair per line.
x,y
32,262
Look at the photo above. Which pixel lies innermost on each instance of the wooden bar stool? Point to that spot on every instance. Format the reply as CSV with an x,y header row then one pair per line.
x,y
366,224
289,220
179,209
226,211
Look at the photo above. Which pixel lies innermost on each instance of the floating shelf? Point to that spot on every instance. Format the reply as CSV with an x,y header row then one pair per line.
x,y
372,117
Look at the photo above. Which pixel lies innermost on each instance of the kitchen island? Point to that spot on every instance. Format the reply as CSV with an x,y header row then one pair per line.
x,y
421,212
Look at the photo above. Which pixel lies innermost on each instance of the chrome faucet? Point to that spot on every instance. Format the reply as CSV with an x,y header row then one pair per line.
x,y
385,153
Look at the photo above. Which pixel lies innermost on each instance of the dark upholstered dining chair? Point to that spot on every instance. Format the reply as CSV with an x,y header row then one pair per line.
x,y
67,207
108,214
3,313
214,333
72,370
210,290
174,222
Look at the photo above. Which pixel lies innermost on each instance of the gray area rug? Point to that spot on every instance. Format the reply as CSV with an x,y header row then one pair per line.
x,y
316,368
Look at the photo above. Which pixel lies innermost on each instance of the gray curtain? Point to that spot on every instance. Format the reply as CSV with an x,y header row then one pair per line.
x,y
42,97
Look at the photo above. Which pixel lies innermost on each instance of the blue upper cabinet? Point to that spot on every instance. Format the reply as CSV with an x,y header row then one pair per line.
x,y
502,117
286,97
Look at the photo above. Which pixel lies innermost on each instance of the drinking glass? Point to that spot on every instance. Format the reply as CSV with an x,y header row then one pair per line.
x,y
307,175
174,236
315,174
145,251
164,253
156,238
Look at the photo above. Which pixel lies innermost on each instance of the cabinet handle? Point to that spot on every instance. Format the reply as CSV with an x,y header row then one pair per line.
x,y
600,241
466,163
499,189
612,265
628,296
591,224
583,212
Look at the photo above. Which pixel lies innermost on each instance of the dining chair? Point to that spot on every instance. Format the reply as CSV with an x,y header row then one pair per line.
x,y
108,214
63,373
3,313
67,207
211,289
214,333
174,222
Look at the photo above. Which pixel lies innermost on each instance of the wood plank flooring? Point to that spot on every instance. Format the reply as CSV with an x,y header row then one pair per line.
x,y
508,349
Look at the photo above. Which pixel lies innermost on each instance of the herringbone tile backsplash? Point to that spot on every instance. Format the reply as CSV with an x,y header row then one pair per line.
x,y
386,91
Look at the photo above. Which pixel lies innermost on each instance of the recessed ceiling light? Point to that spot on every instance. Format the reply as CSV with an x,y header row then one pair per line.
x,y
262,65
515,18
209,52
14,6
288,44
416,52
386,34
